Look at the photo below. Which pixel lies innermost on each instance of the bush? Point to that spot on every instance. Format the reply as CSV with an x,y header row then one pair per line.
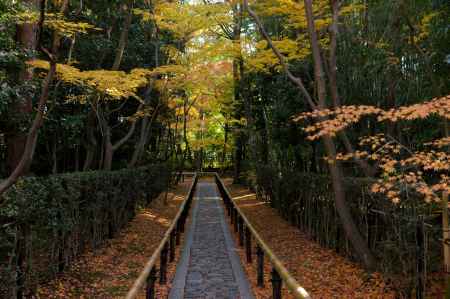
x,y
48,221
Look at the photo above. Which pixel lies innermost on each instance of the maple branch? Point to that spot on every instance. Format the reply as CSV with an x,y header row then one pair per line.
x,y
332,76
317,58
31,140
296,80
30,144
332,70
126,137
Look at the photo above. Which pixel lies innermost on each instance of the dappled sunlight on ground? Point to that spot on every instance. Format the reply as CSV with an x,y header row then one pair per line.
x,y
322,272
157,218
246,196
251,204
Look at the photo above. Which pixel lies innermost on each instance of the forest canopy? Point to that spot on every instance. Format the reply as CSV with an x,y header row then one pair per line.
x,y
275,93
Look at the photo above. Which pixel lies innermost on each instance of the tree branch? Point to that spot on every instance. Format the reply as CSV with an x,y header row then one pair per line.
x,y
296,80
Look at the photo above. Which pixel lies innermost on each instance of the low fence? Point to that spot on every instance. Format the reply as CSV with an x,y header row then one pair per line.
x,y
165,251
48,221
405,238
247,234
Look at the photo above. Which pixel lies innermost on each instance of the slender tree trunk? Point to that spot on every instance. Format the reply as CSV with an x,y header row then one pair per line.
x,y
146,128
446,238
77,158
140,144
349,225
55,156
31,140
109,147
238,158
91,142
225,142
237,72
351,230
26,36
332,76
109,151
123,36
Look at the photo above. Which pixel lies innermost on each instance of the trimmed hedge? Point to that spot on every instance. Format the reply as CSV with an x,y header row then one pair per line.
x,y
48,221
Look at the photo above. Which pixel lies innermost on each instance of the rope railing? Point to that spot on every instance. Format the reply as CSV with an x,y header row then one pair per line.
x,y
165,251
246,233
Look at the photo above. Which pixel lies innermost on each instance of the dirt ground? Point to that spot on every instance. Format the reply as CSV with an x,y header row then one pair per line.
x,y
320,271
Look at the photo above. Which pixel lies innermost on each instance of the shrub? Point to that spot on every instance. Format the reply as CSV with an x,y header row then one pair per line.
x,y
48,221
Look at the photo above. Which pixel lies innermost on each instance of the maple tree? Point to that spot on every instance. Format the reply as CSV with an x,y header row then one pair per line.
x,y
272,91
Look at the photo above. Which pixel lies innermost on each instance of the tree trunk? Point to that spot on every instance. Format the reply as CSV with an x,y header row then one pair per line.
x,y
91,142
109,151
109,147
32,136
26,36
238,159
123,36
225,142
349,225
351,230
146,128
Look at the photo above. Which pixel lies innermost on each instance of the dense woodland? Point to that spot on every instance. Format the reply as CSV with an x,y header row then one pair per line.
x,y
334,111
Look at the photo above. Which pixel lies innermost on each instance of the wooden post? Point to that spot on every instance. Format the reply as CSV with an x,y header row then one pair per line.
x,y
248,245
163,265
260,266
241,232
276,284
151,279
178,234
232,215
172,247
182,220
446,243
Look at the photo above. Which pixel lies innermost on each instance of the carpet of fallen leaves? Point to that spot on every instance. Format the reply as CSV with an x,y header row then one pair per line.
x,y
322,272
110,271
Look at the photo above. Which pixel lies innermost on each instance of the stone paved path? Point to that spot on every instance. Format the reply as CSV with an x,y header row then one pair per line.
x,y
209,267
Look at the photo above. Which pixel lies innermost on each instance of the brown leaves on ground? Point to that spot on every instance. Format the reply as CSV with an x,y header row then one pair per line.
x,y
109,272
322,272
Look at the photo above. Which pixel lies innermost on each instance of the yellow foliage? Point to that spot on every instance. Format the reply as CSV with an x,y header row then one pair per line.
x,y
424,26
186,20
113,85
56,22
263,58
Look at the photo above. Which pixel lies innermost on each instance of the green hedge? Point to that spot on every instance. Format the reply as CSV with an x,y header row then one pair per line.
x,y
48,221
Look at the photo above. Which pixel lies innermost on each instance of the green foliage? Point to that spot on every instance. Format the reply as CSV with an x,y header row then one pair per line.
x,y
62,215
8,10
